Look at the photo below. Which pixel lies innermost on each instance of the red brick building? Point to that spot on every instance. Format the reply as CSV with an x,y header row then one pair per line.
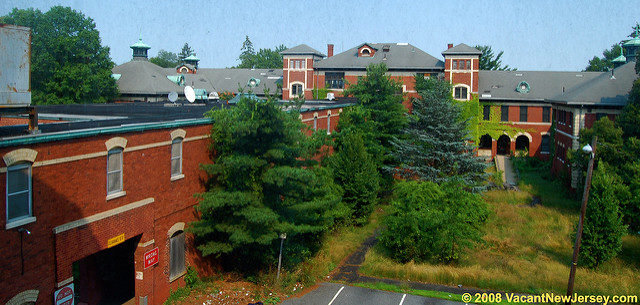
x,y
87,202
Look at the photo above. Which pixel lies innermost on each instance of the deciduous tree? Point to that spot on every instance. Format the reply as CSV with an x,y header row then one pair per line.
x,y
165,59
68,62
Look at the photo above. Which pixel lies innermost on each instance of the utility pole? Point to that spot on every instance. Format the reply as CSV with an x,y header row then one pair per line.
x,y
585,196
283,236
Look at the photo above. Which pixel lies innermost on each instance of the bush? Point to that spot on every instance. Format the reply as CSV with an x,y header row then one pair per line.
x,y
603,227
191,278
354,169
433,223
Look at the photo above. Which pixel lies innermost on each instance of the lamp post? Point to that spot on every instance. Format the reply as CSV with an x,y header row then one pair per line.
x,y
22,230
591,150
283,236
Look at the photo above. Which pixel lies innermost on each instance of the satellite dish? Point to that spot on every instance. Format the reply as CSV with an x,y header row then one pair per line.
x,y
173,96
331,96
214,96
189,94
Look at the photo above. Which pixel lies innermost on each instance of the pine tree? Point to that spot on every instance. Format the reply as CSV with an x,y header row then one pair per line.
x,y
355,170
262,183
248,56
436,145
603,228
185,52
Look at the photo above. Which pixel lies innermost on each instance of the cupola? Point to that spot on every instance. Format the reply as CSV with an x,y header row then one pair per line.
x,y
632,46
140,50
192,60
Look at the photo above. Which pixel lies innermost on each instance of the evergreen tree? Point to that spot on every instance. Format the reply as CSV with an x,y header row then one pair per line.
x,y
490,61
603,227
185,52
380,115
68,62
436,144
629,119
262,183
355,170
247,57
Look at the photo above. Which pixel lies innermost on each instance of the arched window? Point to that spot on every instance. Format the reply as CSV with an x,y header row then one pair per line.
x,y
114,171
329,122
19,204
461,93
177,255
176,157
365,52
296,90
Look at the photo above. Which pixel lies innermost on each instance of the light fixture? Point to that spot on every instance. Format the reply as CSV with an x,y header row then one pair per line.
x,y
587,149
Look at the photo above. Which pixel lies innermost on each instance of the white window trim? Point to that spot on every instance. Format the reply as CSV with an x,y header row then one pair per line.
x,y
291,89
315,121
453,93
177,232
369,54
179,175
12,223
120,192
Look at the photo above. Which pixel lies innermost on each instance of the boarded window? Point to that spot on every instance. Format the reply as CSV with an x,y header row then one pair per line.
x,y
504,113
18,191
176,252
544,144
114,171
176,157
523,113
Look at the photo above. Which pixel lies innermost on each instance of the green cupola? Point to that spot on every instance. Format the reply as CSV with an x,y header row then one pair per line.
x,y
192,60
140,50
632,46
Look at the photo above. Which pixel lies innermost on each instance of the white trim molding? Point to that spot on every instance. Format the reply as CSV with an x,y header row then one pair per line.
x,y
27,296
20,155
116,142
178,226
178,133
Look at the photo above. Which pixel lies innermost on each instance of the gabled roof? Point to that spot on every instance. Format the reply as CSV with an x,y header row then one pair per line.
x,y
401,56
368,45
462,49
502,85
603,90
302,49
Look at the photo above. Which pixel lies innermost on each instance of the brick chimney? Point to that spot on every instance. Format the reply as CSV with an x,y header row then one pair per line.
x,y
449,46
329,50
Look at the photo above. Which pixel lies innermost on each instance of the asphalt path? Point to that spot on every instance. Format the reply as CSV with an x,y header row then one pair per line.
x,y
339,294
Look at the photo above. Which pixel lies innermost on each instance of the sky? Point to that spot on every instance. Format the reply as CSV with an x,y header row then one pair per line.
x,y
534,35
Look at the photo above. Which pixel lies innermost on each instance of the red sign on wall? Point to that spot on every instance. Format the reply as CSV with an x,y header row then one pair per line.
x,y
64,295
151,258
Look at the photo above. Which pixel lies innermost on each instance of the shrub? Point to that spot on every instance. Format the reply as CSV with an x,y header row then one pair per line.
x,y
603,227
191,278
354,169
433,223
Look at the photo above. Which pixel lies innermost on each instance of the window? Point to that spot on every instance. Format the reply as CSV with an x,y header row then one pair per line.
x,y
296,90
114,171
315,122
329,122
455,65
335,80
504,113
486,112
176,255
544,145
302,63
19,192
460,93
546,114
468,64
365,52
176,157
523,113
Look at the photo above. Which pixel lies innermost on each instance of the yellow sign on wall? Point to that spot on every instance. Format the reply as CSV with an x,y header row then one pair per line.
x,y
115,240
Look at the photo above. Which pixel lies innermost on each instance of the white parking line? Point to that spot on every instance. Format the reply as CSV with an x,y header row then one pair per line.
x,y
335,296
402,301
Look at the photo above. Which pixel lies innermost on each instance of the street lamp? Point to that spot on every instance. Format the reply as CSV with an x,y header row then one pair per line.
x,y
591,150
283,236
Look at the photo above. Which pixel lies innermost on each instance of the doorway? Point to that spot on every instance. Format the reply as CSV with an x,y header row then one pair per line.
x,y
504,145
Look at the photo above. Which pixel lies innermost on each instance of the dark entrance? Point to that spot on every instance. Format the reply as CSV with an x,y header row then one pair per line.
x,y
522,143
485,142
106,277
504,145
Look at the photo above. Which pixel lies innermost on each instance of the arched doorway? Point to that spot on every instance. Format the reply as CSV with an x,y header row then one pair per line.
x,y
485,142
504,145
522,143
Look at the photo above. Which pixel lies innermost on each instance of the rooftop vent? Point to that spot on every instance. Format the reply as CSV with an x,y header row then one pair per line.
x,y
402,43
518,74
579,75
385,48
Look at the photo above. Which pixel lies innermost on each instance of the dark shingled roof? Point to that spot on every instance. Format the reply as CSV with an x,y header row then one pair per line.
x,y
302,49
501,85
220,80
143,77
400,56
603,90
462,49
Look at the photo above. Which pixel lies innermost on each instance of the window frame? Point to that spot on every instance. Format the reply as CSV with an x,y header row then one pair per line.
x,y
180,273
334,80
504,115
113,151
546,114
329,122
486,112
466,93
297,94
18,221
543,146
524,114
177,140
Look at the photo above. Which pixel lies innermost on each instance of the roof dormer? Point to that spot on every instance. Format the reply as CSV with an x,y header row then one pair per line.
x,y
366,50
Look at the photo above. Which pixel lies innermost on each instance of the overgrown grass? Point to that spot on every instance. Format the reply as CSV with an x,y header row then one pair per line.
x,y
182,293
526,249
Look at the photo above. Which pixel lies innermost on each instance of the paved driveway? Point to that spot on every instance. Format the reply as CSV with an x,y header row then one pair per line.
x,y
339,294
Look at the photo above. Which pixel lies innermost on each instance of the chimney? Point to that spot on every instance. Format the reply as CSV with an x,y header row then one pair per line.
x,y
329,50
449,46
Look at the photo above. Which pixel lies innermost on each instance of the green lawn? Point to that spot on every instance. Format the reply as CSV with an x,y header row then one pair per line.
x,y
526,249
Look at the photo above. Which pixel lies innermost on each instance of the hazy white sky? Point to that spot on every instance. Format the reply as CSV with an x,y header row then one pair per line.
x,y
535,35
